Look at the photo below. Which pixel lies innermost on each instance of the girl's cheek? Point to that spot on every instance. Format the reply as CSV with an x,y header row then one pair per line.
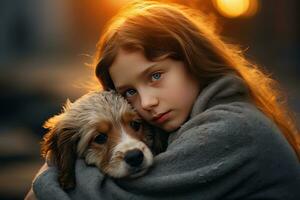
x,y
141,111
135,104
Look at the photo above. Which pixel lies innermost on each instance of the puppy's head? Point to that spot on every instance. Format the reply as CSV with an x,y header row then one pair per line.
x,y
102,128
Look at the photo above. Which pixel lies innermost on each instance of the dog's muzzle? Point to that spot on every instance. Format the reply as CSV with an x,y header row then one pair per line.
x,y
134,158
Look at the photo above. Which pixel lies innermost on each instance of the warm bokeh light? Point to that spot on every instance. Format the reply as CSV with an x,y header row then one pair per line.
x,y
236,8
253,8
119,2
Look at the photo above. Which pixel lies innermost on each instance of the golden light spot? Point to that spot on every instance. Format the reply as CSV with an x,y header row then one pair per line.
x,y
253,8
236,8
119,3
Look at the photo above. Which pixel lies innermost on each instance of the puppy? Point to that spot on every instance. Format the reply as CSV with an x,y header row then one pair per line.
x,y
104,130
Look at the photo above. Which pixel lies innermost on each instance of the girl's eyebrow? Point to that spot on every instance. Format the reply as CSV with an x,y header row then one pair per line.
x,y
139,76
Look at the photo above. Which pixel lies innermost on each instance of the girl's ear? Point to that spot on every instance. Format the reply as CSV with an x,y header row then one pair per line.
x,y
59,148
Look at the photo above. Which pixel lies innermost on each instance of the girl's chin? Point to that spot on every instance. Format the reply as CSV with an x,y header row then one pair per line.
x,y
168,127
173,125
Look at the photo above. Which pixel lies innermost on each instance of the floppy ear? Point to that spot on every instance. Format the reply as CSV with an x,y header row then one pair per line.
x,y
156,139
59,148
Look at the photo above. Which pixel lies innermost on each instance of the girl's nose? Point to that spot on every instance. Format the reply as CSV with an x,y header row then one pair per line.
x,y
148,101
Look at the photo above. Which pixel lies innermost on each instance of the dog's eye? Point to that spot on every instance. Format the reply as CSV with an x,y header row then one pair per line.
x,y
101,138
135,125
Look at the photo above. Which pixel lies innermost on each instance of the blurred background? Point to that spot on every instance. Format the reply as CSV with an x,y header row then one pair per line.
x,y
45,46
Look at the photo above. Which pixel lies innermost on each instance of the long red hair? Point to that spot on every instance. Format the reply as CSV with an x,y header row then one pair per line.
x,y
179,32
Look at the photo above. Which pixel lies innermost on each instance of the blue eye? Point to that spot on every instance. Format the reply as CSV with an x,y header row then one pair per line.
x,y
130,92
155,76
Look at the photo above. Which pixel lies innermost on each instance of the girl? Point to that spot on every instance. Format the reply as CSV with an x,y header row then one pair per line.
x,y
229,135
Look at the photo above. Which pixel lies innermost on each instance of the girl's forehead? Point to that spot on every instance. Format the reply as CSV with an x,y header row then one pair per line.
x,y
129,66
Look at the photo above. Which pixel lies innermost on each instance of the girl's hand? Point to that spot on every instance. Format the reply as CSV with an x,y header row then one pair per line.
x,y
30,195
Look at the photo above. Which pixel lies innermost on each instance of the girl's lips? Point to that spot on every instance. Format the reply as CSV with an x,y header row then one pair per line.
x,y
161,118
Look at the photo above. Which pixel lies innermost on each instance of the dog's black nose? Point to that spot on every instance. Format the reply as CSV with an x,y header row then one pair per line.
x,y
134,157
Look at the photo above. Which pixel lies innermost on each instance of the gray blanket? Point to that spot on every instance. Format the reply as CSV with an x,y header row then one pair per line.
x,y
226,150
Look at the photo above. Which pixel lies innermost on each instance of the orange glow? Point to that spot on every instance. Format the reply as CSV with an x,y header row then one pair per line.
x,y
119,3
253,8
236,8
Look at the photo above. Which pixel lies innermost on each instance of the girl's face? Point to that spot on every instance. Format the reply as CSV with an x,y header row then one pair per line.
x,y
163,92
